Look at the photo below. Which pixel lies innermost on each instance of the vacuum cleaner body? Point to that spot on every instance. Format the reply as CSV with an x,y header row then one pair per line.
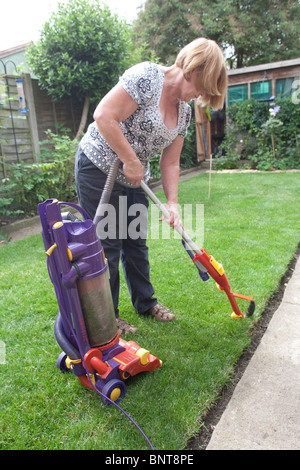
x,y
86,327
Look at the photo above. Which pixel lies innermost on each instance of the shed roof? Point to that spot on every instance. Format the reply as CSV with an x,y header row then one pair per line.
x,y
263,67
14,50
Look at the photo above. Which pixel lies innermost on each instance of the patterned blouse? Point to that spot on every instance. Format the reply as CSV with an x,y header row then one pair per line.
x,y
144,129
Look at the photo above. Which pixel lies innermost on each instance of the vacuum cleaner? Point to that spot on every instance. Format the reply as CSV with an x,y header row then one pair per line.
x,y
86,327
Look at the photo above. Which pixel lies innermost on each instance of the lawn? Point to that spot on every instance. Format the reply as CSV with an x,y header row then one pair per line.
x,y
251,226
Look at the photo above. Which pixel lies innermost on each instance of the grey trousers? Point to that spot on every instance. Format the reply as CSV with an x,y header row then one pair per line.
x,y
119,243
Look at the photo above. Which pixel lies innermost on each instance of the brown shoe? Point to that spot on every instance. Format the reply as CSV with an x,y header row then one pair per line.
x,y
124,328
161,313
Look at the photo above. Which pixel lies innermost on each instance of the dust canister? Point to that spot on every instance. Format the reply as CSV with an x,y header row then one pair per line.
x,y
86,253
98,310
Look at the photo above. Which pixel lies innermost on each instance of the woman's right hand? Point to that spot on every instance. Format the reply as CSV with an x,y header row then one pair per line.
x,y
134,171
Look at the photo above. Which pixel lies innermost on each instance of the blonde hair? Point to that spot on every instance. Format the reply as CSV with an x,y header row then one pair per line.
x,y
206,58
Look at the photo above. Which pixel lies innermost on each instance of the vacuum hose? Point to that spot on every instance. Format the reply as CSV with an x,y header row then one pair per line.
x,y
106,193
63,341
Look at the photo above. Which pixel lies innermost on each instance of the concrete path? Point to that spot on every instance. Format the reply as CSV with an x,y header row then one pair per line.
x,y
264,411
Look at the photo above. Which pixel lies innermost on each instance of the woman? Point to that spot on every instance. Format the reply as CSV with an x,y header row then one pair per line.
x,y
144,114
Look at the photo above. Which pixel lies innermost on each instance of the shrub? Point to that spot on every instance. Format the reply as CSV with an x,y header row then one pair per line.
x,y
29,184
266,133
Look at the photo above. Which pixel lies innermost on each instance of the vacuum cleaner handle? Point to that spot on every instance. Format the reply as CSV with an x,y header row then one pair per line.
x,y
75,206
165,212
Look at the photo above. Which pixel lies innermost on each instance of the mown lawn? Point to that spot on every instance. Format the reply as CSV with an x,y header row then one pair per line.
x,y
251,226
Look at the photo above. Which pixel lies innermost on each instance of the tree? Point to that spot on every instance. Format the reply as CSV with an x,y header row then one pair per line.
x,y
255,31
167,26
251,32
81,52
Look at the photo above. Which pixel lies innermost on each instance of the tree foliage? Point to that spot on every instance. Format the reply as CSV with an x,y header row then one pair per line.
x,y
266,133
81,52
166,26
250,31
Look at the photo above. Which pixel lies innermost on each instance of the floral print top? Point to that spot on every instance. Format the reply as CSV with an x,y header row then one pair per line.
x,y
144,129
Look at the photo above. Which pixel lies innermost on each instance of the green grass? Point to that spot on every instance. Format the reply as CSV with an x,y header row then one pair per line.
x,y
252,227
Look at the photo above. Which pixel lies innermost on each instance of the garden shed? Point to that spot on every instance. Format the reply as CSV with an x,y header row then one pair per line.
x,y
263,81
280,79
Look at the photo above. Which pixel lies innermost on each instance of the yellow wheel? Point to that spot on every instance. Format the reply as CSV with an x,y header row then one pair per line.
x,y
113,391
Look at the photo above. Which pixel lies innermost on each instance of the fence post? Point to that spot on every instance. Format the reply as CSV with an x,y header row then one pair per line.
x,y
31,116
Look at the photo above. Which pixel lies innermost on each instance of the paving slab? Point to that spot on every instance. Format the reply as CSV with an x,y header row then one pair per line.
x,y
264,411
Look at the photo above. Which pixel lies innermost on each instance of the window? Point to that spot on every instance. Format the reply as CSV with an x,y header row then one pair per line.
x,y
237,93
284,87
261,90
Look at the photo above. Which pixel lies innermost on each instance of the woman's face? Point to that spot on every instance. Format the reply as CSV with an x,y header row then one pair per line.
x,y
190,89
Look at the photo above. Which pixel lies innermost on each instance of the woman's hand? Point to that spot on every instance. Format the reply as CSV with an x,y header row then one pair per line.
x,y
134,171
174,221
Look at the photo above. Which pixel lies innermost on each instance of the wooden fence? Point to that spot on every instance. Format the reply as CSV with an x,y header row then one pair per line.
x,y
21,133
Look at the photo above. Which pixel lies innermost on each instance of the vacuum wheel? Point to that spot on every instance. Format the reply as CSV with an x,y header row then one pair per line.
x,y
114,390
61,362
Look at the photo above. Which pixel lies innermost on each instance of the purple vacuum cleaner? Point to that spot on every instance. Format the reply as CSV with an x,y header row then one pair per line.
x,y
86,327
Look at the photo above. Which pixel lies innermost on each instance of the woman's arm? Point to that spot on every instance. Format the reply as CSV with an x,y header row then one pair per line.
x,y
114,108
169,167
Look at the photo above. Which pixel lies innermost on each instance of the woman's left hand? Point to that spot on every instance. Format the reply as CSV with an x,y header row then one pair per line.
x,y
174,220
